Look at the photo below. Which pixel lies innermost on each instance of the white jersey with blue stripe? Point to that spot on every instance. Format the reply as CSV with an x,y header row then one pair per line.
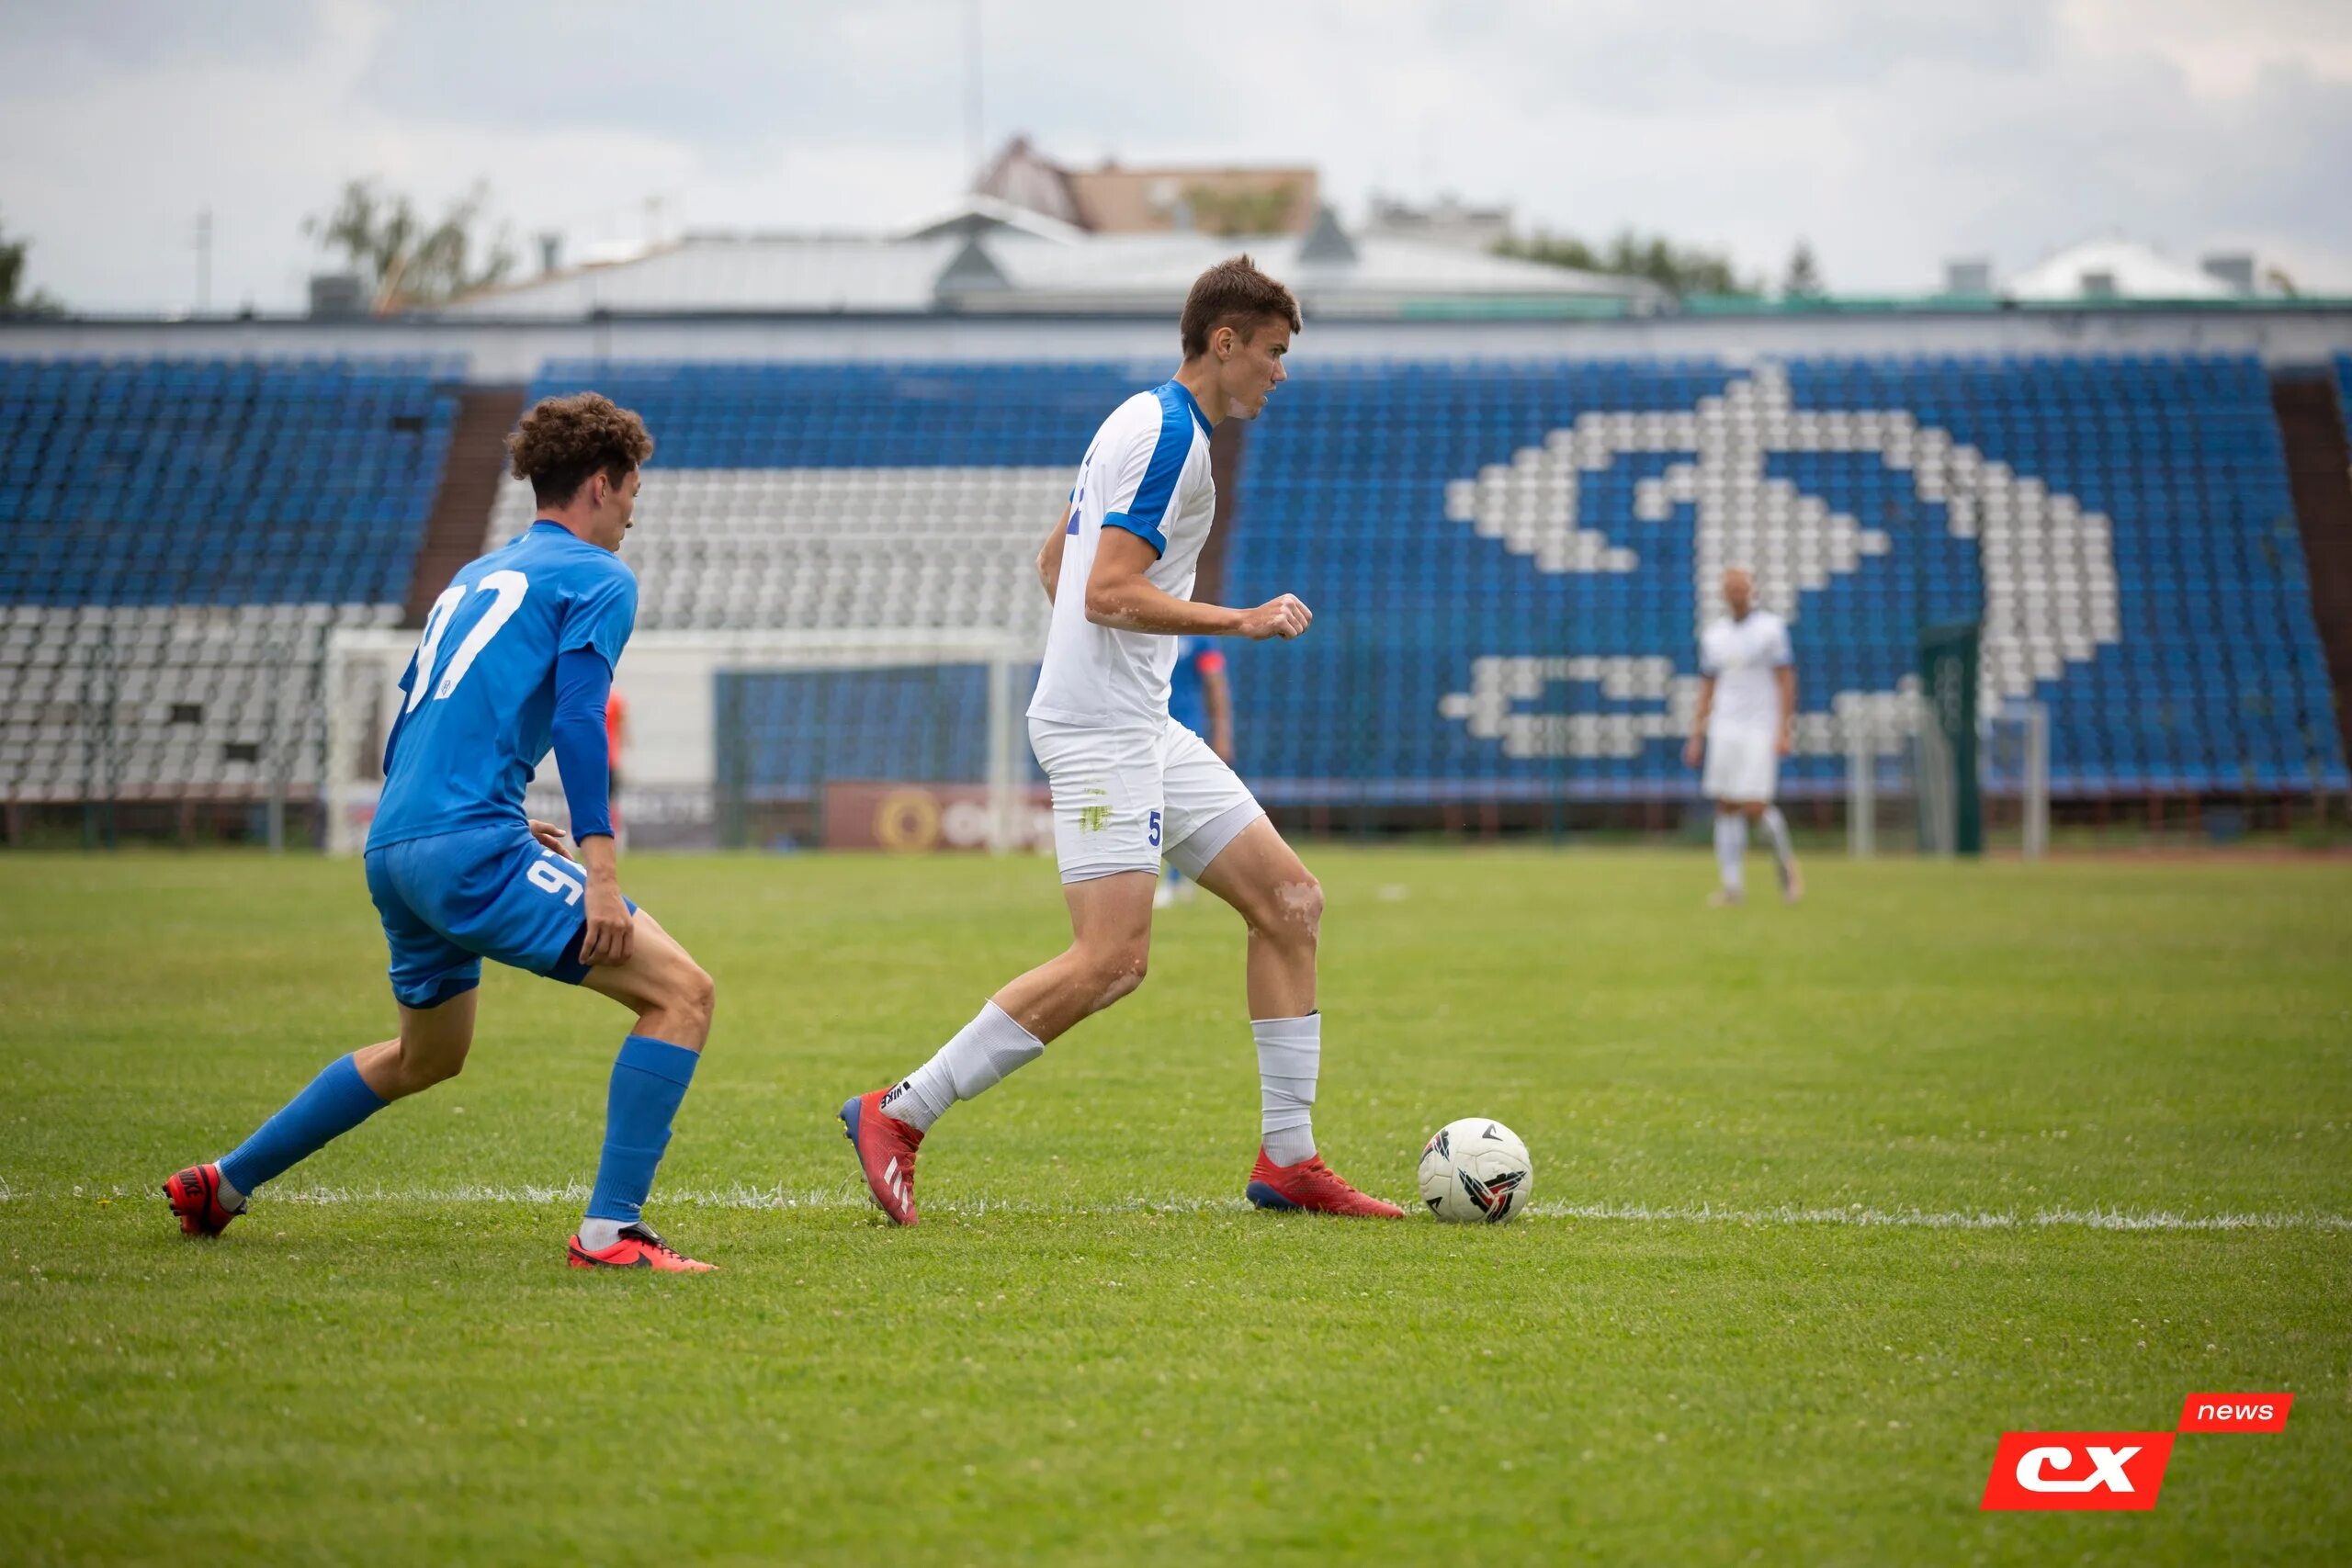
x,y
1147,472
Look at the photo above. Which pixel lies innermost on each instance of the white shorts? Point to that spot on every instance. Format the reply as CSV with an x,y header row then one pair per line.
x,y
1742,765
1123,798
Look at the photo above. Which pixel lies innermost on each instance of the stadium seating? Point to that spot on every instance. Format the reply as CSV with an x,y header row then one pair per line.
x,y
1509,561
180,534
844,497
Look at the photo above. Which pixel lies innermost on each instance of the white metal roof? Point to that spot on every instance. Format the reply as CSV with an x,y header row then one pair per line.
x,y
1039,268
2134,271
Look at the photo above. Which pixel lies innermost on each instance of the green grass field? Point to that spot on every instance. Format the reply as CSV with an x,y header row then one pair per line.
x,y
1825,1200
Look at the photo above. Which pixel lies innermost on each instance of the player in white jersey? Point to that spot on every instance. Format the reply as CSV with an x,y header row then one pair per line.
x,y
1748,705
1131,786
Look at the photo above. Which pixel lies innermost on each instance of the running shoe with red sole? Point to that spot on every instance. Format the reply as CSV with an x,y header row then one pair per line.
x,y
194,1197
886,1151
639,1248
1312,1186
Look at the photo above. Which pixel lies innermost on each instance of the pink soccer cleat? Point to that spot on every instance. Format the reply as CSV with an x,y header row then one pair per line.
x,y
886,1152
194,1197
1315,1186
639,1248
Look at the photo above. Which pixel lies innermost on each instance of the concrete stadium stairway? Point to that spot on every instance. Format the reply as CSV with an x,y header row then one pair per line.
x,y
2319,471
461,507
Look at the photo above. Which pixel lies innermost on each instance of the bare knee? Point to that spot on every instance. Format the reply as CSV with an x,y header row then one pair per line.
x,y
691,999
1292,914
1114,971
417,1068
440,1069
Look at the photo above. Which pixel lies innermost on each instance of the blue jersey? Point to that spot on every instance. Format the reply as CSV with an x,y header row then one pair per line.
x,y
1195,656
478,698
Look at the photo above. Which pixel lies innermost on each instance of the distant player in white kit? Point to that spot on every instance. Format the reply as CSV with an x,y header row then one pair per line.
x,y
1131,786
1748,705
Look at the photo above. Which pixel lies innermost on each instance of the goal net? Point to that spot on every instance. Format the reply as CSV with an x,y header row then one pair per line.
x,y
864,738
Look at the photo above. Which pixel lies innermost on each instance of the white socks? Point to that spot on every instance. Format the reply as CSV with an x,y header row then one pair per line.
x,y
980,1056
1776,833
595,1236
992,1046
1731,844
1289,1051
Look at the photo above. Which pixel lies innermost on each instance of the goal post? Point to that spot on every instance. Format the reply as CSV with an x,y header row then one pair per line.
x,y
1900,755
731,728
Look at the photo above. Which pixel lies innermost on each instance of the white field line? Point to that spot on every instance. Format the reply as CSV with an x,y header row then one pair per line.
x,y
845,1196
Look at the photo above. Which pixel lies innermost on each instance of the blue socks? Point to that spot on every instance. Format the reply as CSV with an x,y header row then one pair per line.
x,y
650,1078
338,1100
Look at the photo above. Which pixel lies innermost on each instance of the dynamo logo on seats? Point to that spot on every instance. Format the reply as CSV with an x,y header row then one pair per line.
x,y
2046,561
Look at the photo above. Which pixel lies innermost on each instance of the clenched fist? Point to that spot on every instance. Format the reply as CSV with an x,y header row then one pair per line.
x,y
1285,617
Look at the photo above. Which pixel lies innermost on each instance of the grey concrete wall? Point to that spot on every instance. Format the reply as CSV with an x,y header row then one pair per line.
x,y
510,352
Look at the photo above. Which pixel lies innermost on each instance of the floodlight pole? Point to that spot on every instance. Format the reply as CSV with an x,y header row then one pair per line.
x,y
975,148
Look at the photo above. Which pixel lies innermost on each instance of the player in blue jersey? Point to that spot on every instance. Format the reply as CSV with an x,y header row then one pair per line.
x,y
517,657
1201,699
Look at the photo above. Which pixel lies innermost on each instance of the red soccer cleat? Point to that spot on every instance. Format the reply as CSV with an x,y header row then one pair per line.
x,y
639,1248
194,1197
886,1151
1315,1186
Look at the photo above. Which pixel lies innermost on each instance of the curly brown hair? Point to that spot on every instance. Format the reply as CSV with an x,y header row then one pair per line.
x,y
1234,293
563,441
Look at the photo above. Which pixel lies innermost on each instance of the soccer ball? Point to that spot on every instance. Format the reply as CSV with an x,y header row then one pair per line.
x,y
1475,1172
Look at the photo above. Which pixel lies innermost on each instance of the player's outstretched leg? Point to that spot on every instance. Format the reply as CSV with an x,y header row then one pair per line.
x,y
673,998
1264,881
1731,849
432,1047
1110,920
1785,859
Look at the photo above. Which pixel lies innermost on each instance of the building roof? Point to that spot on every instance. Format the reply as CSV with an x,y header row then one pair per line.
x,y
736,272
979,214
1023,177
2117,269
1112,198
971,261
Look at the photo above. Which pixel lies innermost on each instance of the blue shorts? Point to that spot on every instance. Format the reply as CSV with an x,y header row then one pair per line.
x,y
454,899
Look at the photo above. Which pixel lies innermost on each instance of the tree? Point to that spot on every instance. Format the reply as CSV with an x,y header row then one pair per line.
x,y
1227,213
1678,269
13,300
1804,279
412,264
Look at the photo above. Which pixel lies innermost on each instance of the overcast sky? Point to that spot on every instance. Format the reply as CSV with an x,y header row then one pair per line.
x,y
1892,136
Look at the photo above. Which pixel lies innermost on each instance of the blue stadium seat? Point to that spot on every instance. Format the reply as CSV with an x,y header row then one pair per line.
x,y
225,472
2122,524
184,530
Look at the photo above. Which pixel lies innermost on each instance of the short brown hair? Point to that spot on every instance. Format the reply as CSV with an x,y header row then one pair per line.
x,y
563,441
1235,294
